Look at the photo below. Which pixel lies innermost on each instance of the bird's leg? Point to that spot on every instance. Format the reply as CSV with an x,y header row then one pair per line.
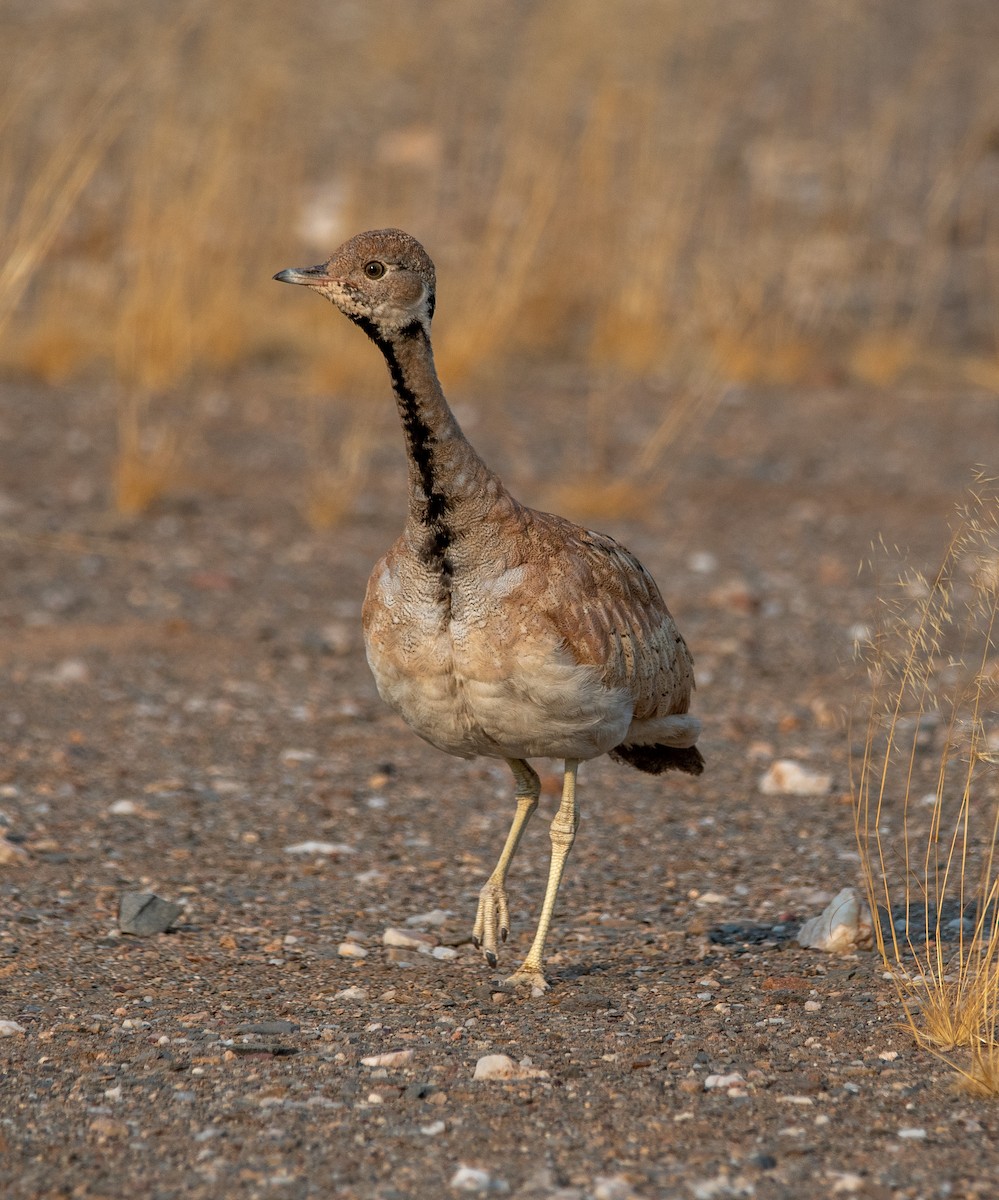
x,y
493,916
562,833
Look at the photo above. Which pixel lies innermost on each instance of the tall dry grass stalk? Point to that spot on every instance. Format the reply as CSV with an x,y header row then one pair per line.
x,y
38,197
927,794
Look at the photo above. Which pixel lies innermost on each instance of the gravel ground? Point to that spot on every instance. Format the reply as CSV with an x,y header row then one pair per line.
x,y
187,712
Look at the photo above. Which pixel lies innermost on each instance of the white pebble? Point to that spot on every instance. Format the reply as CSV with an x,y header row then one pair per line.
x,y
813,1005
474,1179
433,1129
320,848
123,808
723,1081
391,1058
842,926
445,952
351,950
500,1066
352,993
788,778
847,1183
9,1028
912,1135
436,916
404,939
612,1187
703,562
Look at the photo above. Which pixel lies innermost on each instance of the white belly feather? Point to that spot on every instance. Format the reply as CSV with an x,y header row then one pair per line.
x,y
472,684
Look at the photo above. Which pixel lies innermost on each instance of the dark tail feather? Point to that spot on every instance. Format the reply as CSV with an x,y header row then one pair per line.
x,y
654,760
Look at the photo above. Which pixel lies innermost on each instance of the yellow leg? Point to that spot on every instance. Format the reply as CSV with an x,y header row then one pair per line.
x,y
562,833
493,916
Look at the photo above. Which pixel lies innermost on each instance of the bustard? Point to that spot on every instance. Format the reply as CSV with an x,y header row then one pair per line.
x,y
493,629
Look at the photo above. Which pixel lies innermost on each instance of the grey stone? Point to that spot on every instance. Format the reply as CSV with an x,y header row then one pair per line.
x,y
142,913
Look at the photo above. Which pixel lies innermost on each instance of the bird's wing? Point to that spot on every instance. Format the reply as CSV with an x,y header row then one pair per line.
x,y
610,614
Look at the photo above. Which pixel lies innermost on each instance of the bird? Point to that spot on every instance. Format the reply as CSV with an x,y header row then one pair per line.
x,y
494,629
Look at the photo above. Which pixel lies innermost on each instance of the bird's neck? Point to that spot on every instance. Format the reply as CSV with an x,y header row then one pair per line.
x,y
450,487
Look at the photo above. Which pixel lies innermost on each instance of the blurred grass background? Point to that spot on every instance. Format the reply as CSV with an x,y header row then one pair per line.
x,y
758,191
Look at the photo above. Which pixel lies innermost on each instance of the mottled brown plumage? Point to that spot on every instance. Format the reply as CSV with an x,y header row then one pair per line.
x,y
494,629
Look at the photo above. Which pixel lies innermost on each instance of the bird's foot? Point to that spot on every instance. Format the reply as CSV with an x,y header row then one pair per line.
x,y
526,978
492,920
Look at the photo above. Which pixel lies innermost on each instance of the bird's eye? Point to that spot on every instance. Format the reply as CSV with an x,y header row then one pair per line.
x,y
374,270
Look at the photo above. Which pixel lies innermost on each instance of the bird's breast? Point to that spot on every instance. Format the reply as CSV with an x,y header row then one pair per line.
x,y
476,672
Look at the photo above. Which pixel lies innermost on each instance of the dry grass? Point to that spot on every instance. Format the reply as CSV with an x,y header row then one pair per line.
x,y
767,194
927,808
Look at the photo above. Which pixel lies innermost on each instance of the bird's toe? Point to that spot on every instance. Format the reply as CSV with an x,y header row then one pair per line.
x,y
525,979
492,921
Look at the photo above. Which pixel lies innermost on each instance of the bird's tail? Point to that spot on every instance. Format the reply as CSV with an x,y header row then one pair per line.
x,y
655,760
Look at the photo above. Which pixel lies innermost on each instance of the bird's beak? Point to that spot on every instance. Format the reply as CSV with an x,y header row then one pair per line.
x,y
310,276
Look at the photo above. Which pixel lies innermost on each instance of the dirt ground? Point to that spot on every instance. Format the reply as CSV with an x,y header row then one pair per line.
x,y
185,698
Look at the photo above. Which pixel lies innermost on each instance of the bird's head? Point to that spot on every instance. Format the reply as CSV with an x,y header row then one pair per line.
x,y
382,280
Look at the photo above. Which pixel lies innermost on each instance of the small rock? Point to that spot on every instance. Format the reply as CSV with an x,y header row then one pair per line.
x,y
613,1187
433,1129
788,778
392,1058
314,847
10,1028
500,1066
142,913
9,853
703,562
406,939
351,950
723,1081
843,926
268,1027
352,993
444,952
912,1135
436,916
123,808
70,670
474,1179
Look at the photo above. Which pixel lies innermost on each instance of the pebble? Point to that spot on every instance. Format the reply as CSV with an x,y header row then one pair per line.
x,y
268,1027
444,952
351,950
843,925
613,1187
912,1135
352,993
433,1129
501,1066
391,1058
474,1179
436,916
123,808
405,939
785,777
723,1081
10,1028
143,913
9,853
313,847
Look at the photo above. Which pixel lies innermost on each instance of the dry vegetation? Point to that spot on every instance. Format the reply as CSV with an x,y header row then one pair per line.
x,y
770,193
928,796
